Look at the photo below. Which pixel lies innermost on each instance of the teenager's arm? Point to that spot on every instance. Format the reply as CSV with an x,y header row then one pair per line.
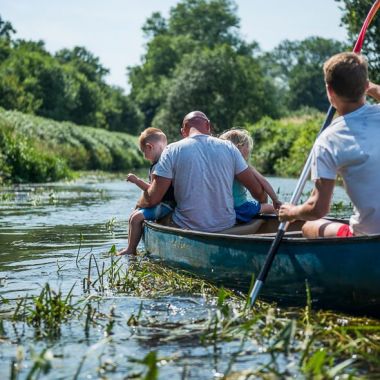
x,y
316,207
249,180
153,195
267,187
374,91
138,181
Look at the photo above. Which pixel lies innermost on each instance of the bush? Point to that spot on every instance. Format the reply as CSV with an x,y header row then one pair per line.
x,y
23,161
48,148
282,146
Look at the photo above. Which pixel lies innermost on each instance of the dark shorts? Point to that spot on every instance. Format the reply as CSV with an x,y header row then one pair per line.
x,y
344,231
247,211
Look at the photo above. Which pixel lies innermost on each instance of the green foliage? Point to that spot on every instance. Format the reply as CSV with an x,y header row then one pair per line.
x,y
6,29
210,22
23,160
196,60
298,68
84,62
282,146
226,86
68,86
34,149
354,14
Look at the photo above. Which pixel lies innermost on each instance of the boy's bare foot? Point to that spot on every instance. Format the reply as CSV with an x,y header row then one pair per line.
x,y
125,251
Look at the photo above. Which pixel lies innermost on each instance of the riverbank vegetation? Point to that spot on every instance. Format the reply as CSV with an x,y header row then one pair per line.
x,y
281,146
195,58
36,149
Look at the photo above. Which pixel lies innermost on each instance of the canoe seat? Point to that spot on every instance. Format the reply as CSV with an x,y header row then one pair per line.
x,y
244,229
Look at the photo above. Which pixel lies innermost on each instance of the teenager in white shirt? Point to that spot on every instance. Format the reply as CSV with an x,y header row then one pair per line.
x,y
350,147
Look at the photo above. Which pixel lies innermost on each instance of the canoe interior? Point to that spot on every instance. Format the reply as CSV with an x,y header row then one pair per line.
x,y
342,274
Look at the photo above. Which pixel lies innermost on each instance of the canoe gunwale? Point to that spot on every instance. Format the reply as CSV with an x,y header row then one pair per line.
x,y
258,237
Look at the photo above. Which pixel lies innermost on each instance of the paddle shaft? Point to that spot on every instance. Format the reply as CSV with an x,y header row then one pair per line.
x,y
284,225
304,175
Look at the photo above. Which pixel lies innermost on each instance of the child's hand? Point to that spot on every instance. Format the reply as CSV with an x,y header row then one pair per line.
x,y
132,178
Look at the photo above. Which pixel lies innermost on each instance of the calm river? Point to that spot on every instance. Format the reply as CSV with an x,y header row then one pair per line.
x,y
41,227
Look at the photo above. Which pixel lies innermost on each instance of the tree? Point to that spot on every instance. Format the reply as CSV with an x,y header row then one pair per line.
x,y
6,30
121,113
229,88
208,22
84,61
190,61
298,68
154,26
354,14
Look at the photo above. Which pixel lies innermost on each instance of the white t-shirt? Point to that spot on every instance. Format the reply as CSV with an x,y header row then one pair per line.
x,y
350,146
202,169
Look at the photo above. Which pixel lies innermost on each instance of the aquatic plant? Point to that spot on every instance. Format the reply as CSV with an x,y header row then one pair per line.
x,y
284,343
142,277
47,311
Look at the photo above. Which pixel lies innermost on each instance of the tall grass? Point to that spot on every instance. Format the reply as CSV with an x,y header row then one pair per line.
x,y
38,149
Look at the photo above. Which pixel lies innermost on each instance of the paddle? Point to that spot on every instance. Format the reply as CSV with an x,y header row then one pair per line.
x,y
304,175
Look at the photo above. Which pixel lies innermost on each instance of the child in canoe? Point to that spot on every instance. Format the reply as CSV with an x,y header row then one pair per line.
x,y
152,142
247,209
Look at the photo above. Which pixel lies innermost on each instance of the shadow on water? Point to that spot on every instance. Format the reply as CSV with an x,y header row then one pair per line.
x,y
126,318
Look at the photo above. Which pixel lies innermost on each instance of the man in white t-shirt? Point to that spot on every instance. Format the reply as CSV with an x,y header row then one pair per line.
x,y
202,169
350,147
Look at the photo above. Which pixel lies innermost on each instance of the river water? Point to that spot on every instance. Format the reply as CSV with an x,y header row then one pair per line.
x,y
41,228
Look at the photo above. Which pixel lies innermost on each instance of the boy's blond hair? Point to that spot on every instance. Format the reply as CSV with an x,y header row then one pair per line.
x,y
347,75
238,137
151,135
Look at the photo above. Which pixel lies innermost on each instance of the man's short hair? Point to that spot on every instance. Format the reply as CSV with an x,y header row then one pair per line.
x,y
347,75
151,135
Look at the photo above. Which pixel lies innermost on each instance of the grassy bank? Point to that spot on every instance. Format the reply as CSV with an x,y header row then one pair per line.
x,y
281,146
35,149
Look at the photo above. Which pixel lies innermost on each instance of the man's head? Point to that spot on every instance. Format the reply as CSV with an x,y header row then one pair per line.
x,y
152,142
346,77
195,121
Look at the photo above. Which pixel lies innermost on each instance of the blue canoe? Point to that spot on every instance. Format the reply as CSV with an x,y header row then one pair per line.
x,y
342,274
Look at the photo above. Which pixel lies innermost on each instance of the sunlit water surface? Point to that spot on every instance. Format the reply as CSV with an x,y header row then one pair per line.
x,y
40,230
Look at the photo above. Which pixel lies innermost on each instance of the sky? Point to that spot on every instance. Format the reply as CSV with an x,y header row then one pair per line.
x,y
111,29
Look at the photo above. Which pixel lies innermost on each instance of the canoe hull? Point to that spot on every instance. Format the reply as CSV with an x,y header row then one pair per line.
x,y
341,273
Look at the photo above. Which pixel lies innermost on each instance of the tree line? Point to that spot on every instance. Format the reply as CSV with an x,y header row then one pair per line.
x,y
194,59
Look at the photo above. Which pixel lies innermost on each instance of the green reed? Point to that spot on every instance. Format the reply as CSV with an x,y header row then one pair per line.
x,y
285,343
47,311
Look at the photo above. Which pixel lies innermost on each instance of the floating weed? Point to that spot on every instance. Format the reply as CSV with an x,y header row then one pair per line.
x,y
110,323
89,352
7,196
285,343
151,362
341,209
141,277
47,311
42,363
110,224
105,366
16,363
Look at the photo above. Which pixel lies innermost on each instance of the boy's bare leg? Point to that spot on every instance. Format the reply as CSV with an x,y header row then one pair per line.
x,y
134,233
320,228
